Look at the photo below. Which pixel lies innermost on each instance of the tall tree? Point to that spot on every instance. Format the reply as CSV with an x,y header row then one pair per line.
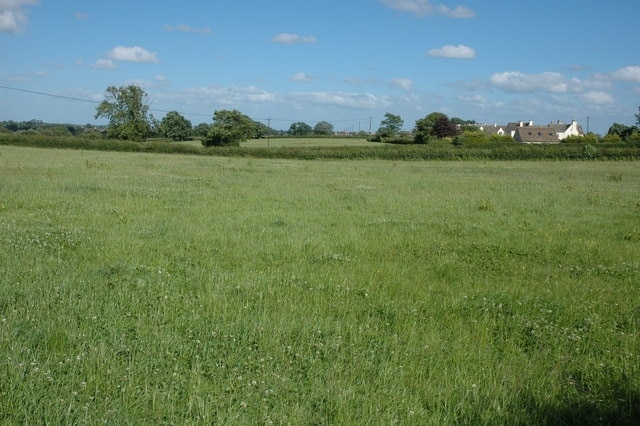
x,y
323,128
444,128
621,130
127,110
201,129
175,126
390,125
229,128
300,129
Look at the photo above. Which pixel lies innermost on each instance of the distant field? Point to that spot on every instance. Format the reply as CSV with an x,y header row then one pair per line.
x,y
299,142
280,142
170,289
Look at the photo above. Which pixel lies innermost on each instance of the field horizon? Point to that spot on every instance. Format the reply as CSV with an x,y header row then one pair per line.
x,y
153,288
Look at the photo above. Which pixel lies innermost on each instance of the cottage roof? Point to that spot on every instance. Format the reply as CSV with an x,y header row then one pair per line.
x,y
534,134
493,129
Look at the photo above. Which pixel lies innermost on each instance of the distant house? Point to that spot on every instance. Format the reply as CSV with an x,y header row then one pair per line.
x,y
493,130
527,132
536,134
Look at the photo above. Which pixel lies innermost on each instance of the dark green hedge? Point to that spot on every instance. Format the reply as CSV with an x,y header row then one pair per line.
x,y
434,151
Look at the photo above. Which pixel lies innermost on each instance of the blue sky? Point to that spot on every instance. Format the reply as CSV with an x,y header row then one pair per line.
x,y
343,61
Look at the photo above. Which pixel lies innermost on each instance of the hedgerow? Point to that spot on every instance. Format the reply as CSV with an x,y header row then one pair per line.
x,y
433,151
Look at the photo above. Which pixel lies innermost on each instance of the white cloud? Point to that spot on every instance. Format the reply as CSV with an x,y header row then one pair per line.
x,y
214,96
630,73
514,81
424,7
361,82
302,77
13,16
287,38
453,52
187,29
402,83
460,12
475,98
104,64
598,98
133,54
81,16
341,99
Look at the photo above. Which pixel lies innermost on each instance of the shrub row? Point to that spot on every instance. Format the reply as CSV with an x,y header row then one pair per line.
x,y
385,152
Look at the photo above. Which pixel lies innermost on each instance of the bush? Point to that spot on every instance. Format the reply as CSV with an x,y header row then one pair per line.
x,y
501,139
611,138
589,151
399,140
474,137
588,139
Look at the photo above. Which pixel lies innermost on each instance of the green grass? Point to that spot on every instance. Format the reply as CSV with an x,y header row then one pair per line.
x,y
288,142
149,288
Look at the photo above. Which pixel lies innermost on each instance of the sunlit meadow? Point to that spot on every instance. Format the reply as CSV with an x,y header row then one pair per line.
x,y
146,288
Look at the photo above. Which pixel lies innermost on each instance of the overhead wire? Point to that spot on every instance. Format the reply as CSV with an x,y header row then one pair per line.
x,y
270,119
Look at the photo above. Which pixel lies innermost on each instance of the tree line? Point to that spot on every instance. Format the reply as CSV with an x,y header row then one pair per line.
x,y
127,110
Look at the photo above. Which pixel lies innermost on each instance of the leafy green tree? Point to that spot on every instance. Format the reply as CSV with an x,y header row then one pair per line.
x,y
56,130
127,110
300,129
201,130
465,125
611,138
620,129
638,117
175,126
424,127
229,128
323,128
262,130
390,126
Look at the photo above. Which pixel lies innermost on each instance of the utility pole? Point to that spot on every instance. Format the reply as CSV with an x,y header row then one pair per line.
x,y
369,125
268,132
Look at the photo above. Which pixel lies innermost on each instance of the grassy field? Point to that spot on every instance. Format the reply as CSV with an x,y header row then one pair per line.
x,y
145,288
287,142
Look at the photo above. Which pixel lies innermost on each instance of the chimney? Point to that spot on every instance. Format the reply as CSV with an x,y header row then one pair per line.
x,y
530,122
521,124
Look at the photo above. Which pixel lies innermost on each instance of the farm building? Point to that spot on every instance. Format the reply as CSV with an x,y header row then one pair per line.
x,y
527,132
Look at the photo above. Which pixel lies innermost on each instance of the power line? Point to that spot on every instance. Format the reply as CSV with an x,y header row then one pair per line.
x,y
269,119
71,98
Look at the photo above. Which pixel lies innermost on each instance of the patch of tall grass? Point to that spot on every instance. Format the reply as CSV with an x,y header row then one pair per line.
x,y
141,288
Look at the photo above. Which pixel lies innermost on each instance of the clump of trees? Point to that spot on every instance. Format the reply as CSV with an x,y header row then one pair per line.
x,y
322,128
300,128
619,133
434,126
229,128
175,126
